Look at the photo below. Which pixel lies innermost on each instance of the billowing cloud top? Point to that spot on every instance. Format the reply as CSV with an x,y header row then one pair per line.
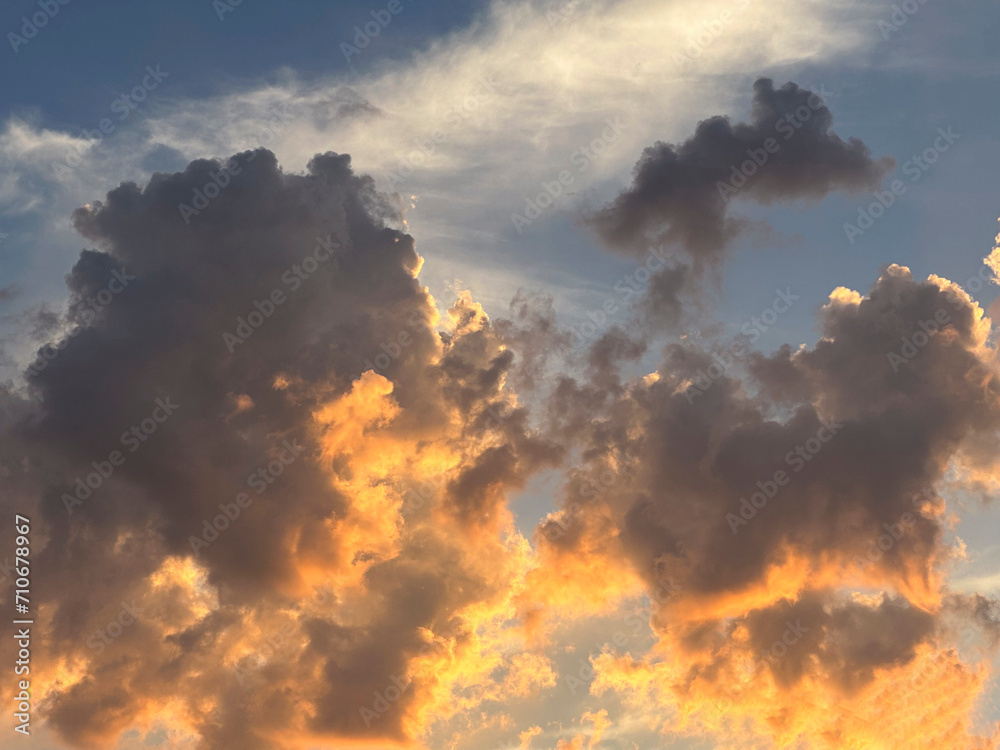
x,y
240,437
786,152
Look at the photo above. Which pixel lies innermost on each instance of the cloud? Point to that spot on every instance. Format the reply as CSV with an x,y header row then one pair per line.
x,y
376,591
992,261
759,517
768,517
680,194
284,463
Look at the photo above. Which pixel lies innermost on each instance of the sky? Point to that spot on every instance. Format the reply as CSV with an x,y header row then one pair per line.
x,y
536,374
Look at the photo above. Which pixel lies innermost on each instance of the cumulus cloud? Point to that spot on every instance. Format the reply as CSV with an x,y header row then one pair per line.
x,y
681,193
763,518
261,402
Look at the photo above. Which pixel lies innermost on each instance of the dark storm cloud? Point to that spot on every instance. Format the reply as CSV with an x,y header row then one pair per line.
x,y
680,193
164,339
234,345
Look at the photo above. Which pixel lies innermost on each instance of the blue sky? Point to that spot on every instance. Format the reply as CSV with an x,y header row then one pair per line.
x,y
88,53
